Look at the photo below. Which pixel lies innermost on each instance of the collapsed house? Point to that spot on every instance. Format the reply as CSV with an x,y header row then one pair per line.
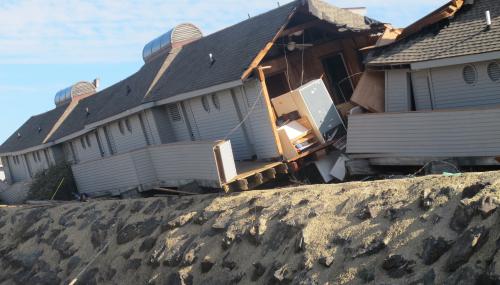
x,y
230,110
434,93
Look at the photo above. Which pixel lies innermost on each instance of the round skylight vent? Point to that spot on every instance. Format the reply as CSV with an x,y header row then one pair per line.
x,y
494,71
469,74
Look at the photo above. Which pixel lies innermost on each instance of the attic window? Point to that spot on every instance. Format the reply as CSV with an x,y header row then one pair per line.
x,y
494,71
205,103
87,140
82,141
174,112
469,74
120,126
127,124
39,129
215,100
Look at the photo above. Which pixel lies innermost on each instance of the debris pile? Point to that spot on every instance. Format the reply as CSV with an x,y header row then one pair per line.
x,y
429,230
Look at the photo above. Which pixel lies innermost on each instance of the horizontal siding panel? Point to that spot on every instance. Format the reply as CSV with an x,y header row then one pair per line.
x,y
171,164
469,133
259,124
451,91
397,97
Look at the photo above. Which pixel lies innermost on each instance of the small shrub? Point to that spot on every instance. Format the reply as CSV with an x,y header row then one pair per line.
x,y
45,183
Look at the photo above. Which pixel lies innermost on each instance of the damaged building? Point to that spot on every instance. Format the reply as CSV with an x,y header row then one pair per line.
x,y
230,110
433,93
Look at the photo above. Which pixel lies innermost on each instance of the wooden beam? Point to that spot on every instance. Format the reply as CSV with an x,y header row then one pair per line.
x,y
300,27
242,184
270,174
282,168
270,110
260,56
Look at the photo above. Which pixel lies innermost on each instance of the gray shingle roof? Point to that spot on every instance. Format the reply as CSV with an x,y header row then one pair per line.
x,y
124,95
462,35
233,48
34,131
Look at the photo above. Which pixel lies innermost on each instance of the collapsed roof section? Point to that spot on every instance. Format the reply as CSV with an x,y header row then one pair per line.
x,y
222,57
456,29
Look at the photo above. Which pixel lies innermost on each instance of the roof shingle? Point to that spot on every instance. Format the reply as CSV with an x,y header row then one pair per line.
x,y
462,35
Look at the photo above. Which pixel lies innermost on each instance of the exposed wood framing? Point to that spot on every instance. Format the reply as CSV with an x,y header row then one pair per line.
x,y
260,56
444,12
270,110
255,178
300,27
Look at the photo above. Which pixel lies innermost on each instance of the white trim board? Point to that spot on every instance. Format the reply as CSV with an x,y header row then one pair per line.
x,y
455,60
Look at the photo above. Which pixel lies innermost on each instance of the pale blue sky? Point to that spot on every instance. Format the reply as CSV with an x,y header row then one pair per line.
x,y
47,45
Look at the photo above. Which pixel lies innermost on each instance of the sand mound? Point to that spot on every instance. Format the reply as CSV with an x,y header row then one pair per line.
x,y
430,230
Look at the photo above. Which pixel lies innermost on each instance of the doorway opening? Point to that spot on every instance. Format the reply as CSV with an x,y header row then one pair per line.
x,y
338,78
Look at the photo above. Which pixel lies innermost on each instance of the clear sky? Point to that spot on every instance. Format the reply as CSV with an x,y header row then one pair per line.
x,y
47,45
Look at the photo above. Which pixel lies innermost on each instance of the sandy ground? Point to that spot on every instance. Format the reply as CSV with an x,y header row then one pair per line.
x,y
325,234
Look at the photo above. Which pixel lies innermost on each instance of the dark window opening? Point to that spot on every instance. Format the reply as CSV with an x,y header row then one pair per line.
x,y
277,85
338,77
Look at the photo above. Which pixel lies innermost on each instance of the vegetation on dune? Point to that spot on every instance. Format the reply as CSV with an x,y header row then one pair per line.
x,y
56,183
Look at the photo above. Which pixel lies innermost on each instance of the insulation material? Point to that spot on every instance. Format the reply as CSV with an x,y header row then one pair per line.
x,y
370,92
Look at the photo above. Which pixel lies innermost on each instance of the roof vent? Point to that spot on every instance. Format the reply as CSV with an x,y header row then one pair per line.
x,y
82,88
177,37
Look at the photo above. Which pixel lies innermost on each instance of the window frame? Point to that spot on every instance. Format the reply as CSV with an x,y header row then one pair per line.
x,y
205,103
82,142
128,125
88,141
216,101
121,128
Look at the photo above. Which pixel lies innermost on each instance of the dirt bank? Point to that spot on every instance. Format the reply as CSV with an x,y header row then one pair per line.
x,y
412,231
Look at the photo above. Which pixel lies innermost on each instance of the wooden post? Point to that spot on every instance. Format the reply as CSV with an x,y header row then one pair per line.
x,y
270,109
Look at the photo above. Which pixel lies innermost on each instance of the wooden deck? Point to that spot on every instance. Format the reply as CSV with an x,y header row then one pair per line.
x,y
253,174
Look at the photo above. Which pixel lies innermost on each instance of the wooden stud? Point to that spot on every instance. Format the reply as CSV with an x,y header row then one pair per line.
x,y
300,27
260,56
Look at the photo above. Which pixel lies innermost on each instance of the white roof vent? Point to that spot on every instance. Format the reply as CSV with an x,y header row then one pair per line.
x,y
177,37
82,88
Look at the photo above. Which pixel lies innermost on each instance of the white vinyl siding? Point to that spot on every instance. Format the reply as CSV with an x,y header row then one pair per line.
x,y
258,123
397,94
445,133
151,128
37,161
128,140
421,90
169,165
451,90
18,168
178,122
161,121
104,142
88,152
218,123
